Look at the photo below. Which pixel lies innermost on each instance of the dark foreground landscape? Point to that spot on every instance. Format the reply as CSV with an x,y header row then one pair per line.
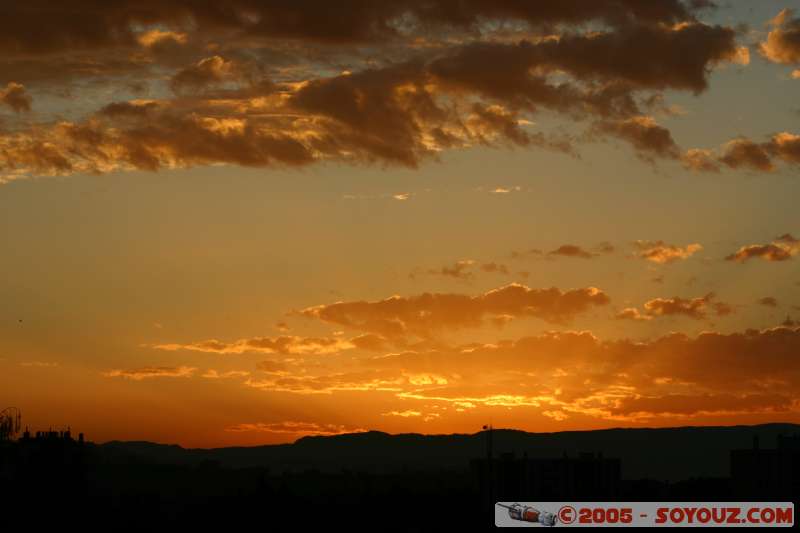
x,y
379,481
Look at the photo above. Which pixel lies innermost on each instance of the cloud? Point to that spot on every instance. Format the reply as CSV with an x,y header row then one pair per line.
x,y
781,248
494,268
284,345
702,404
722,308
768,301
663,253
294,428
154,38
631,313
576,373
304,383
571,250
404,414
465,269
696,308
605,248
206,73
16,97
505,190
566,250
523,254
370,342
459,270
744,153
152,372
213,374
649,138
272,367
700,160
86,25
240,97
783,41
428,313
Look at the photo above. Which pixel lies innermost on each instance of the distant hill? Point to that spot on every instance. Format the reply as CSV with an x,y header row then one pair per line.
x,y
665,453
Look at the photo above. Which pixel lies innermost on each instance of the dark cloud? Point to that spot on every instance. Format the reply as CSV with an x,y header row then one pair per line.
x,y
428,313
459,270
768,301
744,153
644,134
16,97
494,268
399,108
571,250
652,56
207,72
42,27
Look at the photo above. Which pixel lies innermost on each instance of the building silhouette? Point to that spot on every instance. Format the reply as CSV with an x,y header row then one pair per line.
x,y
589,476
771,473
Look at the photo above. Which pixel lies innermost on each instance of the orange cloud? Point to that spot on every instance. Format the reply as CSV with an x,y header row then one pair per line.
x,y
152,372
294,428
693,308
782,248
631,313
703,404
783,41
661,252
206,73
575,373
700,160
213,374
285,345
744,153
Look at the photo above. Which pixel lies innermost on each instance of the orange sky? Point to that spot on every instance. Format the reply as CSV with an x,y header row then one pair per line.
x,y
247,224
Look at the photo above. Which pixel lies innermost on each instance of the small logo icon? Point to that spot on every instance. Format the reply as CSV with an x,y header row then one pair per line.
x,y
525,513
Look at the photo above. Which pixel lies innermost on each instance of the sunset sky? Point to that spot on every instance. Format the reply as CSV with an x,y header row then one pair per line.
x,y
234,223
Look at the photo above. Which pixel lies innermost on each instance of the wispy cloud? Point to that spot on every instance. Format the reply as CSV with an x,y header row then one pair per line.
x,y
152,372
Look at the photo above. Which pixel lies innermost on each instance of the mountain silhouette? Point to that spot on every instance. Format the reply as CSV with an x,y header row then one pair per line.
x,y
668,454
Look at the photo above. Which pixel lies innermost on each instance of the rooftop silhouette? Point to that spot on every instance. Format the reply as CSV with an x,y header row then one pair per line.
x,y
355,475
